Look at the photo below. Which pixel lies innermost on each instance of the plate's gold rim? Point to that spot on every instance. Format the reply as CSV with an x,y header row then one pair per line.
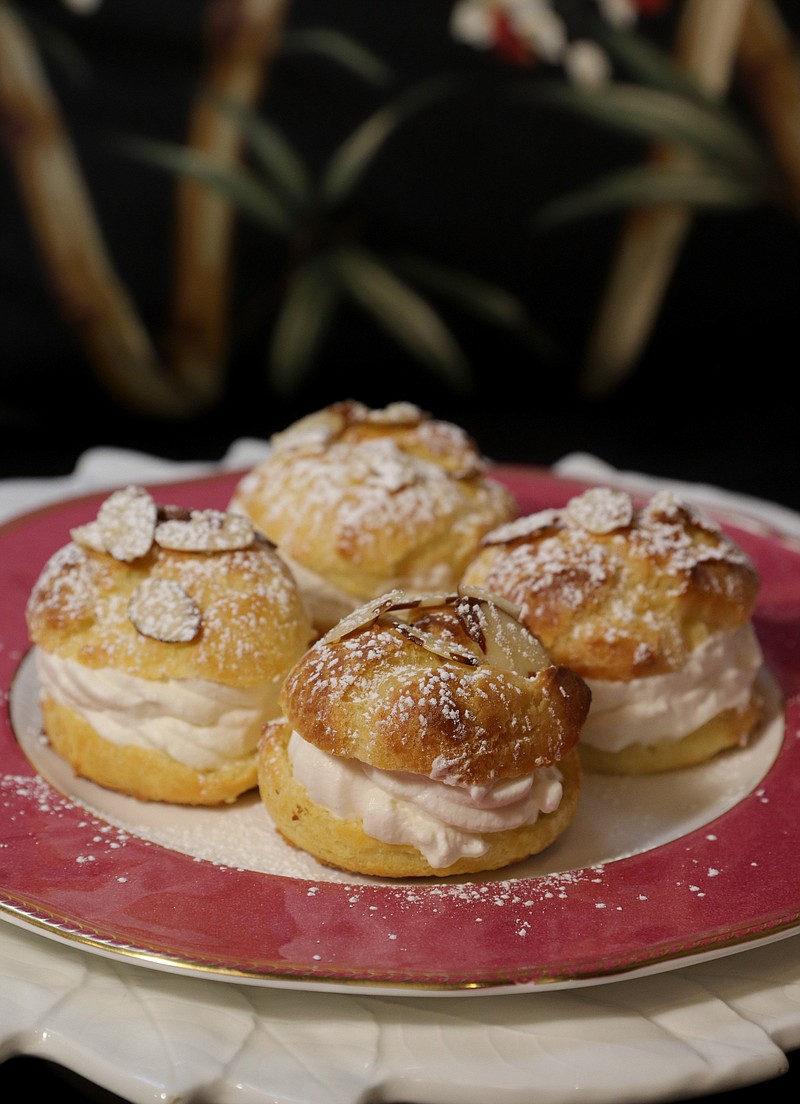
x,y
301,978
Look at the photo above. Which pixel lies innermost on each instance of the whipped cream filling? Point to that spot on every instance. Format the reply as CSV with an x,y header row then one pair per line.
x,y
328,603
325,602
199,723
444,821
719,675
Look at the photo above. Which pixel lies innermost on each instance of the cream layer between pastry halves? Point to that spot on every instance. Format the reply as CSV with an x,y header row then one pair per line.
x,y
719,675
445,822
203,724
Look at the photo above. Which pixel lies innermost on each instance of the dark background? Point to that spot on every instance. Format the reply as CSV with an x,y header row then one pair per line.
x,y
713,397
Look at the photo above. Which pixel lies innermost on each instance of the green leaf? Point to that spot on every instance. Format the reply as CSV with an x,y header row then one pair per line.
x,y
271,151
647,61
480,298
648,187
349,163
249,194
303,323
341,48
653,114
59,46
405,315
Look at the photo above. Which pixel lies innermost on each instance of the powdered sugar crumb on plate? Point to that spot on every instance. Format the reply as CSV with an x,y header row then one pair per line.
x,y
646,812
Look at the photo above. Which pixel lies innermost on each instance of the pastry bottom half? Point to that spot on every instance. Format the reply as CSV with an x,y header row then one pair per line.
x,y
344,845
139,772
728,729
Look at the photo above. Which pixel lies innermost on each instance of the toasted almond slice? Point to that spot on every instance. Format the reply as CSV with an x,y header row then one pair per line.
x,y
360,618
88,536
494,624
167,512
396,413
389,467
438,645
527,526
510,645
206,531
489,598
127,521
666,506
425,599
162,610
393,601
599,510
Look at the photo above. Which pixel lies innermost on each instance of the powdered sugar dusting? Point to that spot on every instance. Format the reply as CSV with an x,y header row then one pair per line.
x,y
659,531
162,609
369,500
616,817
126,522
617,591
600,510
23,792
214,583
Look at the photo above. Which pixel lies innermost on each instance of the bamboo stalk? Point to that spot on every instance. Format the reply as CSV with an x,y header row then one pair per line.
x,y
769,72
651,239
86,288
243,37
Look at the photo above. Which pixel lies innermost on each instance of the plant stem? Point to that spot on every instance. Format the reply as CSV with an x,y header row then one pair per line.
x,y
86,288
242,39
651,239
769,71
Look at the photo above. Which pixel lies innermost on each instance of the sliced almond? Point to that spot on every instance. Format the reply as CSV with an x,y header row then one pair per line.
x,y
88,536
389,467
315,432
173,513
510,646
360,618
396,413
438,645
488,597
126,522
469,610
395,601
412,600
493,623
599,510
206,531
666,506
522,527
162,610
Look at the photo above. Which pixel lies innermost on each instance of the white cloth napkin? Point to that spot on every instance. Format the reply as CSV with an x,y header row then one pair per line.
x,y
100,468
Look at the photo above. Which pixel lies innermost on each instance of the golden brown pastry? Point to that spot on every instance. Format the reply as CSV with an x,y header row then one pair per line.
x,y
652,606
162,637
425,734
359,502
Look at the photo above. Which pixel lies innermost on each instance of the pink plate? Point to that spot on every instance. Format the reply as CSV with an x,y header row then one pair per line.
x,y
725,884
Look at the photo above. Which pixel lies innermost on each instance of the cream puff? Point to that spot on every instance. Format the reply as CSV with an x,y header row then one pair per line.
x,y
425,734
652,606
361,501
161,639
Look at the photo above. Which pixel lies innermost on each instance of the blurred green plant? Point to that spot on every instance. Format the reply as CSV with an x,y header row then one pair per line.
x,y
235,164
697,155
693,154
327,265
728,166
